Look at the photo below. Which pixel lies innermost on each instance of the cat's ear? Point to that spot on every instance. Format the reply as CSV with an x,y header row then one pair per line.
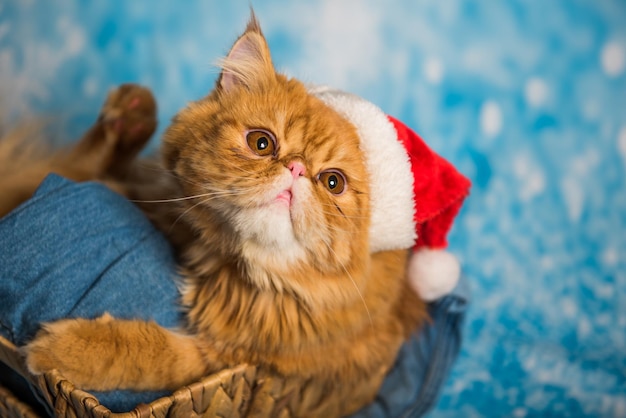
x,y
249,62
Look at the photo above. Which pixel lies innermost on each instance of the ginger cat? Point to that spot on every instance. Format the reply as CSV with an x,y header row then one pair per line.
x,y
272,234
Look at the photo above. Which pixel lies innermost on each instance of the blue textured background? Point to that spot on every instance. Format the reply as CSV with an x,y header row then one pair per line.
x,y
526,98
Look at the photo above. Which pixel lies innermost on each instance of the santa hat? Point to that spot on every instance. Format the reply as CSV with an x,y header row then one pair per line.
x,y
415,194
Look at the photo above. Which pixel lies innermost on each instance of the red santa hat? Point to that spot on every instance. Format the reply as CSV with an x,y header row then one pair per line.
x,y
415,193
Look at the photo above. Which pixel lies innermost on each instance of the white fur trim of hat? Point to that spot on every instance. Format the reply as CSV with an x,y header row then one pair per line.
x,y
400,218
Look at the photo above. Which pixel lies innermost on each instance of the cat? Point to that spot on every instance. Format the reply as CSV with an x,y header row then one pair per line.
x,y
269,210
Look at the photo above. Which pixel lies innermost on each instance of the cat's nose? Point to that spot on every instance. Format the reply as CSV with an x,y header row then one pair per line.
x,y
297,169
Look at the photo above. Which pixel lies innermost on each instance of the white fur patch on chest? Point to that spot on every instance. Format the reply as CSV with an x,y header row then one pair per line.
x,y
271,227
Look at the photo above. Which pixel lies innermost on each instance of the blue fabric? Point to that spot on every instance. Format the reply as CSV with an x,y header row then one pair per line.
x,y
77,250
74,250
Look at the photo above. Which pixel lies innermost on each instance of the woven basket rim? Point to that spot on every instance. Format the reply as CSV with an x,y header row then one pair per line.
x,y
12,406
232,385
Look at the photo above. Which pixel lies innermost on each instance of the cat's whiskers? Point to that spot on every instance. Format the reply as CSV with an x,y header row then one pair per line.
x,y
227,189
210,196
243,191
186,211
152,167
161,169
214,193
341,215
176,199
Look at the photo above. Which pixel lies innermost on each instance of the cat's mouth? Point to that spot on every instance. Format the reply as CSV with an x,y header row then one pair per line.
x,y
284,197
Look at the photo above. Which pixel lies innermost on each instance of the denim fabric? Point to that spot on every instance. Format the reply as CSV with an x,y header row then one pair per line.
x,y
78,250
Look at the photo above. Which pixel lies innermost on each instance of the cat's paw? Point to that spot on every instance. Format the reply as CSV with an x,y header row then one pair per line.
x,y
78,348
129,112
127,121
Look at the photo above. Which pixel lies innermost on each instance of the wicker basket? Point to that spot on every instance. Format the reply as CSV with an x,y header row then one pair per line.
x,y
10,406
235,392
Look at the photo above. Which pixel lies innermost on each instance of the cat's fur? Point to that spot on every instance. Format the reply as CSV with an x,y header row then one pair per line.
x,y
277,270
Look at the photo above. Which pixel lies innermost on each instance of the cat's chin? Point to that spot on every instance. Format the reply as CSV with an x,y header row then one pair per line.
x,y
268,231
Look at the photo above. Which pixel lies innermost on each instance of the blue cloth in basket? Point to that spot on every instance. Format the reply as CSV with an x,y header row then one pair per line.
x,y
78,250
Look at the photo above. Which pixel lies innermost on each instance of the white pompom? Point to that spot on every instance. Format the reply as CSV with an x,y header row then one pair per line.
x,y
433,273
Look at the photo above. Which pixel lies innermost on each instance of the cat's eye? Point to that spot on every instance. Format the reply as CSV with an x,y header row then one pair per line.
x,y
261,142
333,180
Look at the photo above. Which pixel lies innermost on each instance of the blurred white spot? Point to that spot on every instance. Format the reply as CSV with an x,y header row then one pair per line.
x,y
530,363
530,175
473,223
75,40
351,62
547,263
591,109
433,70
6,60
570,309
605,291
613,59
74,36
574,198
520,412
449,11
90,87
584,328
536,92
585,162
621,143
610,257
4,29
544,376
63,23
620,407
491,118
398,64
470,57
535,185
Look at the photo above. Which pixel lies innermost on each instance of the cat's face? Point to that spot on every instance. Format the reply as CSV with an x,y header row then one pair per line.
x,y
279,172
